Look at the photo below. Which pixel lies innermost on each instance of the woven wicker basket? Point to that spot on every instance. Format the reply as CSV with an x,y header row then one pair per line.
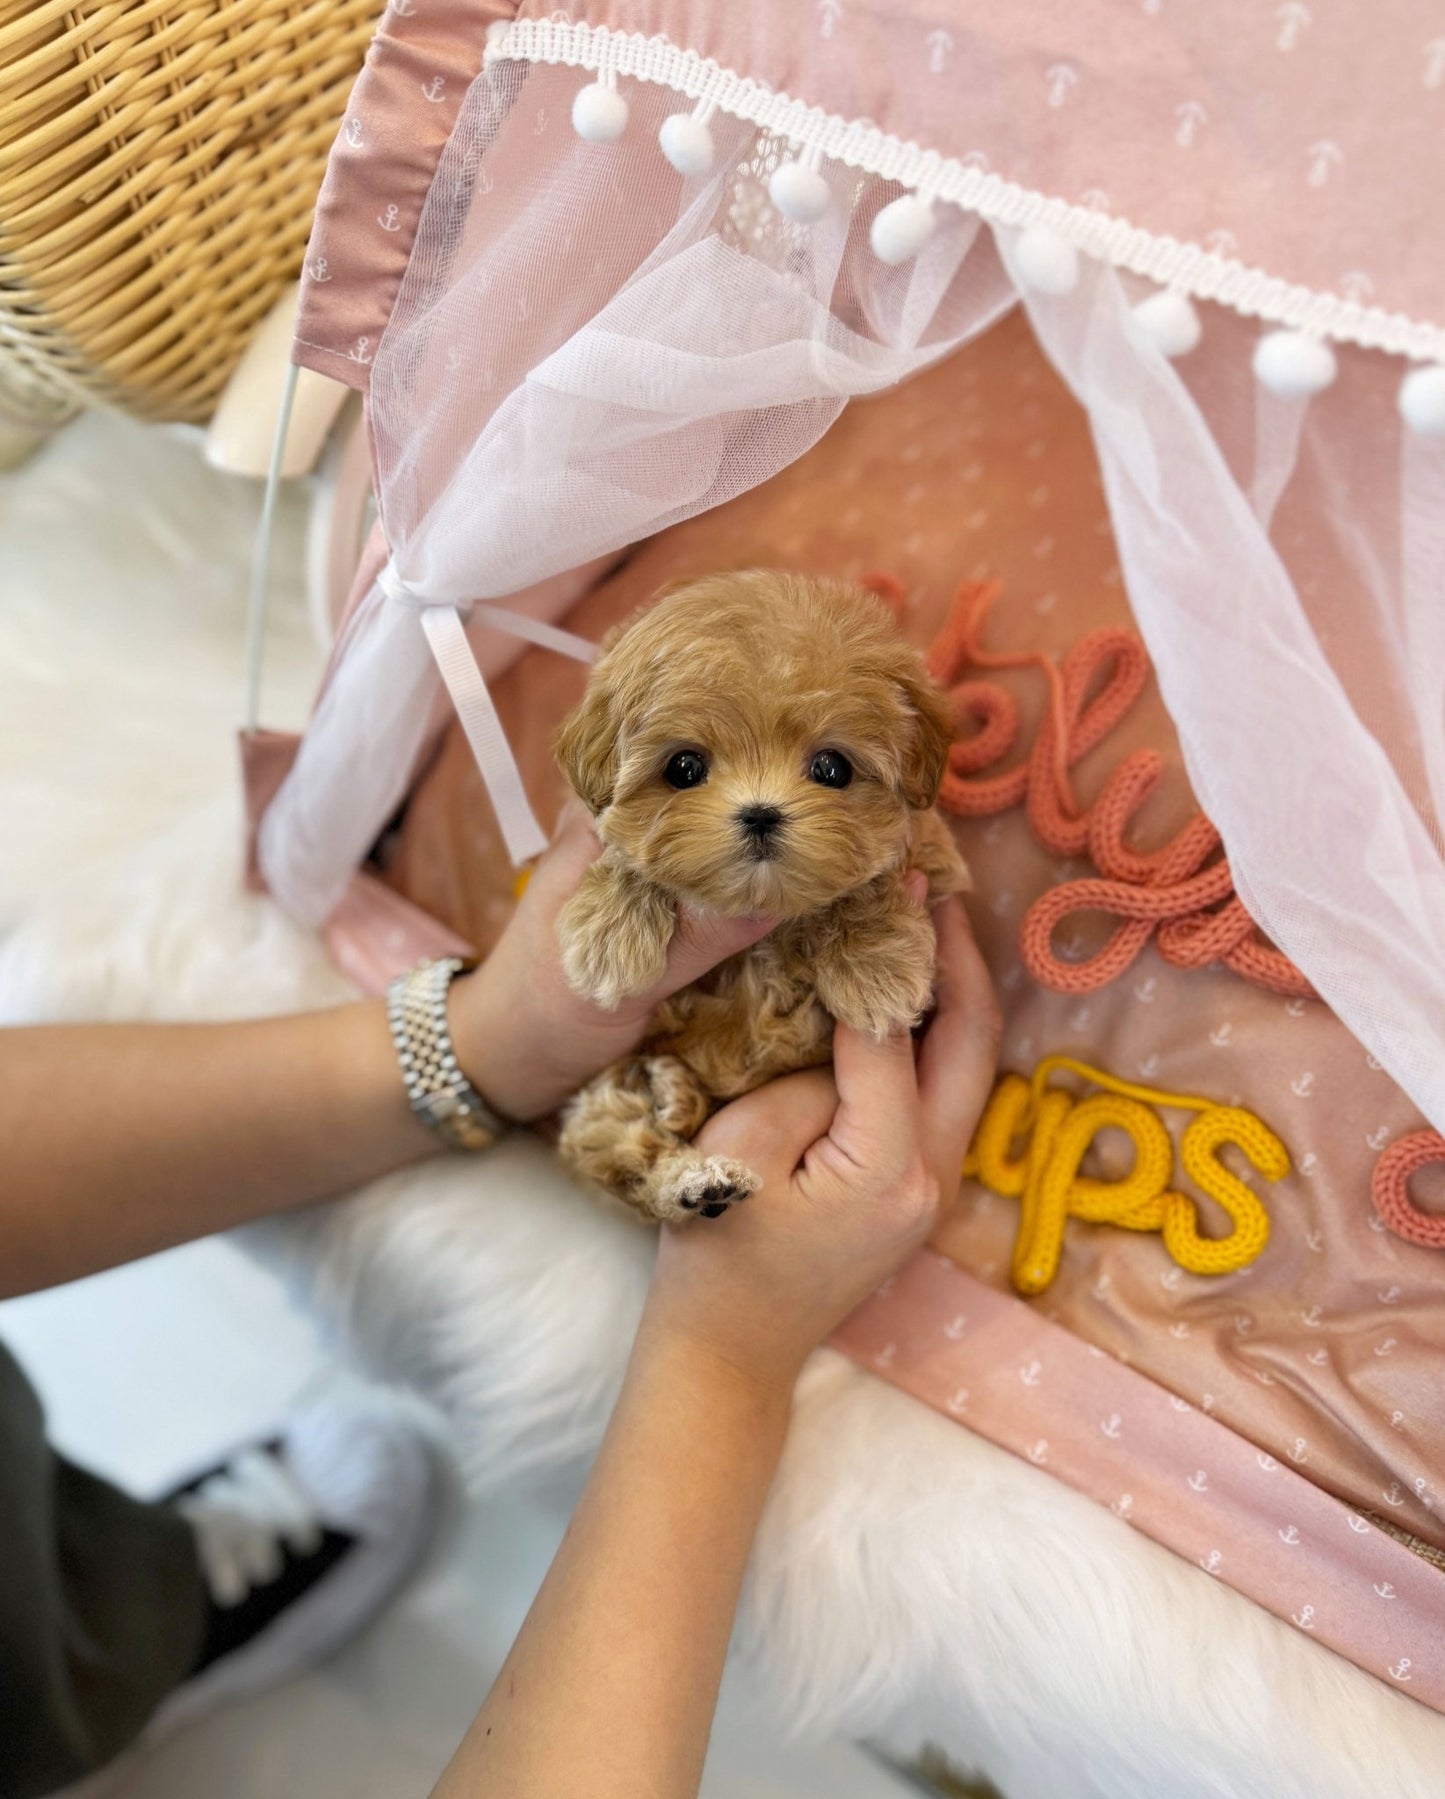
x,y
158,164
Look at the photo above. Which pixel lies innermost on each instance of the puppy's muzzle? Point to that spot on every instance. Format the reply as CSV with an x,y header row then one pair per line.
x,y
761,827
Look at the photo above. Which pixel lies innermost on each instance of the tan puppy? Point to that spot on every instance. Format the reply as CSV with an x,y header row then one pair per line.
x,y
755,743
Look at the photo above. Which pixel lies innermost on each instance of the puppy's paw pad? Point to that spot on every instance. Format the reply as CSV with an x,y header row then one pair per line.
x,y
711,1186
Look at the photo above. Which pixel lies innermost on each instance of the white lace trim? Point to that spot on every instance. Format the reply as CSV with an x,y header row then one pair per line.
x,y
1187,268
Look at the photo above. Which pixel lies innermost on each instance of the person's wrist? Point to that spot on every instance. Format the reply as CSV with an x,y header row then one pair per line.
x,y
764,1363
527,1051
491,1042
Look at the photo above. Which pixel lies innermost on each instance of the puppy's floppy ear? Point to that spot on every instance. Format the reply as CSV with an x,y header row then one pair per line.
x,y
587,745
925,752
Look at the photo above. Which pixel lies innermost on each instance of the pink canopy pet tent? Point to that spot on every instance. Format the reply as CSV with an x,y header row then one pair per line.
x,y
569,344
602,270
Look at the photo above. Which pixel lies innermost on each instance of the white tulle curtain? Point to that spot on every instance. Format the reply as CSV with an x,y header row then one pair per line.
x,y
1285,560
588,347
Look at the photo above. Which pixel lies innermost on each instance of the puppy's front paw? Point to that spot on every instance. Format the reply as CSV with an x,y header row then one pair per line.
x,y
602,968
692,1186
885,982
613,934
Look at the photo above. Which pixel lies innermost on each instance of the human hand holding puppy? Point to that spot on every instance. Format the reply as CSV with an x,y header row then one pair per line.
x,y
525,1036
855,1164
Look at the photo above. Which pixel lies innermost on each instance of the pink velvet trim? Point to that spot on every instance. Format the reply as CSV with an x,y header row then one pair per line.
x,y
400,114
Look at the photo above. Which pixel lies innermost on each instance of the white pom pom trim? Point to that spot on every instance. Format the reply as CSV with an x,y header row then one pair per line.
x,y
901,229
799,191
1046,262
1422,401
1210,271
599,113
687,143
1170,322
1293,364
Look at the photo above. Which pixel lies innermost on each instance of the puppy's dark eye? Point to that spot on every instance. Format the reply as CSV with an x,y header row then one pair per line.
x,y
830,768
688,768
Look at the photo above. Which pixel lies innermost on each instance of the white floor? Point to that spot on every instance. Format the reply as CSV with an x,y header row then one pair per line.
x,y
148,1370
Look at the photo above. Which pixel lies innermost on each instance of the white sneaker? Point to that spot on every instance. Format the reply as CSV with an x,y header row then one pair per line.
x,y
302,1541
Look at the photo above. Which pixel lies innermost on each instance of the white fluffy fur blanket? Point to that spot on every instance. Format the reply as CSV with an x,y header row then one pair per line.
x,y
911,1583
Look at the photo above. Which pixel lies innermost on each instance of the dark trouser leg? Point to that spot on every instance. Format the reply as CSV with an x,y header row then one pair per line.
x,y
101,1606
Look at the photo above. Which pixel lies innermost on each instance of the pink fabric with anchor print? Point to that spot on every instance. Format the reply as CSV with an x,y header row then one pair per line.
x,y
1160,1464
401,110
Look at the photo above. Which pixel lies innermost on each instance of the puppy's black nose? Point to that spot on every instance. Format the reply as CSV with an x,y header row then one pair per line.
x,y
759,822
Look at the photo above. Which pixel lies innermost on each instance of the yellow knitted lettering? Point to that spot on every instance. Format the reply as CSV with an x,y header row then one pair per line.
x,y
1032,1140
1204,1136
1040,1240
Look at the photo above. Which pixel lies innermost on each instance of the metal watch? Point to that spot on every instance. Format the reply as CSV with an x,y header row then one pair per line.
x,y
437,1090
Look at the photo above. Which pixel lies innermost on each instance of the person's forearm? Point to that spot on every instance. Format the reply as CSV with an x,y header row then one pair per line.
x,y
610,1688
116,1140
